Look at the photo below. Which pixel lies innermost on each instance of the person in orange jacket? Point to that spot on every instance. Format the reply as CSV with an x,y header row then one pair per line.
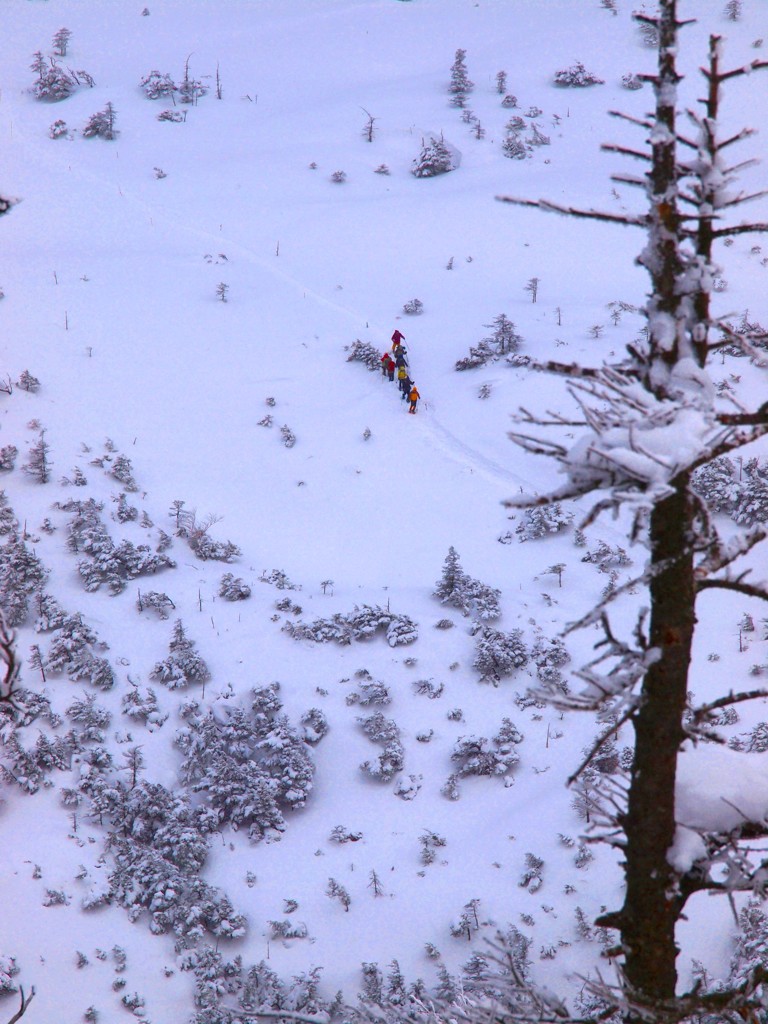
x,y
413,397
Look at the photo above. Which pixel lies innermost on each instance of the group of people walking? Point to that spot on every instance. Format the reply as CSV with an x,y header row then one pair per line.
x,y
394,364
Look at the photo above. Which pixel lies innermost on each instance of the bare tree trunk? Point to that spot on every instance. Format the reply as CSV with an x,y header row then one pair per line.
x,y
650,912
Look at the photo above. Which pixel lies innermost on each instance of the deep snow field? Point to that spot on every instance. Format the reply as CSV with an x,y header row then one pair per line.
x,y
110,275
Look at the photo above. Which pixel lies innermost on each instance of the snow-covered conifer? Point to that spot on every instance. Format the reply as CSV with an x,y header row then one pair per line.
x,y
541,520
233,588
38,464
156,85
576,76
183,664
460,84
498,654
60,42
435,158
102,124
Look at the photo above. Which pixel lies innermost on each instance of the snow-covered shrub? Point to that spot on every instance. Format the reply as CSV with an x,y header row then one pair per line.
x,y
495,757
288,436
499,654
54,83
413,307
503,341
576,77
314,726
364,352
278,579
176,116
373,693
102,124
460,84
467,922
91,717
383,730
233,588
631,81
183,664
8,455
549,656
435,158
513,147
249,763
532,878
155,600
156,85
604,556
195,532
72,650
542,520
8,971
460,590
27,382
38,464
22,574
717,483
430,842
142,706
338,177
341,834
360,624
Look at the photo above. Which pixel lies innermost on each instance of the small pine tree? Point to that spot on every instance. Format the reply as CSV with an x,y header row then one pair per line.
x,y
38,464
183,665
61,42
102,124
460,84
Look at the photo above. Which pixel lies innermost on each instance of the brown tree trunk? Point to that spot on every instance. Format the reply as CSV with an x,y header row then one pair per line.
x,y
652,905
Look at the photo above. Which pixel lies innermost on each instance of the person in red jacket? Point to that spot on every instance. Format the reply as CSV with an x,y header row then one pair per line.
x,y
397,339
413,397
385,361
390,368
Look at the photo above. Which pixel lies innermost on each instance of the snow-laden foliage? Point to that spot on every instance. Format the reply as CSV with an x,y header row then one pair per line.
x,y
249,763
477,755
183,664
503,341
361,624
460,590
436,157
576,77
365,353
498,654
383,730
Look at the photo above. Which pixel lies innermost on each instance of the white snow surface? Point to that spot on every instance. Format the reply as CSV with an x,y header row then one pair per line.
x,y
110,275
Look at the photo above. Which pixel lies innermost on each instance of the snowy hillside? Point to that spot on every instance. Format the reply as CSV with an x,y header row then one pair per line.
x,y
295,752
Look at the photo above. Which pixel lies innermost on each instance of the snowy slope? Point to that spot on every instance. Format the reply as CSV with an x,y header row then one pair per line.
x,y
110,276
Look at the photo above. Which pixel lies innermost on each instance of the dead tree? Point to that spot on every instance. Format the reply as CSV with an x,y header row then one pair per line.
x,y
662,385
25,1001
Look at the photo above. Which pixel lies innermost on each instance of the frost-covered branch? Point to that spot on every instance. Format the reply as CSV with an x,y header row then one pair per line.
x,y
572,211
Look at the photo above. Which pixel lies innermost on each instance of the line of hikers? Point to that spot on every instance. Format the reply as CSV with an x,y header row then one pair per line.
x,y
395,364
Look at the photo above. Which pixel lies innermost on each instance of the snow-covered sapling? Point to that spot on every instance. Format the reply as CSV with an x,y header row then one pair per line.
x,y
61,41
542,520
156,85
27,382
576,77
501,82
532,287
102,124
339,177
467,922
532,878
435,158
338,892
233,588
38,464
183,665
460,84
